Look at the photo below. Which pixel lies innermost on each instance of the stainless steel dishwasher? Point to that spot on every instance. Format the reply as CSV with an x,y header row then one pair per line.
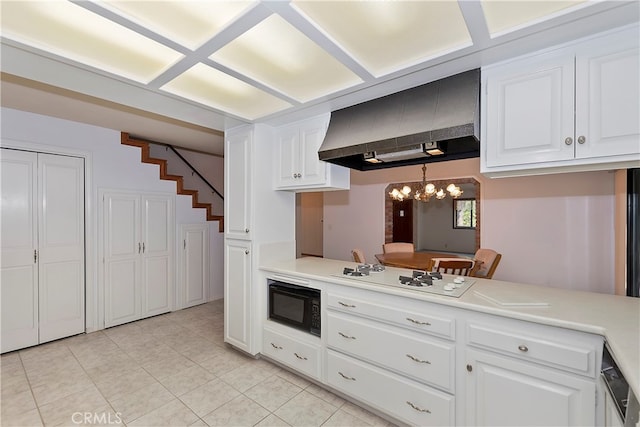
x,y
624,401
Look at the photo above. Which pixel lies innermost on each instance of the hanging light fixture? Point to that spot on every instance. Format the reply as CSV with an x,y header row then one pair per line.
x,y
425,191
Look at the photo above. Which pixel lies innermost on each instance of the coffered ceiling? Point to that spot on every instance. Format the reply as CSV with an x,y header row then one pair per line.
x,y
191,69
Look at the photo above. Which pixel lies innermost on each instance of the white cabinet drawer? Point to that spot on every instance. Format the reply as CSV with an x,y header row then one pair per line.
x,y
420,319
423,359
399,397
301,356
561,348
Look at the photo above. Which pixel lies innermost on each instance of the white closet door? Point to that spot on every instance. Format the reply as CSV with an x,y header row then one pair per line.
x,y
157,266
123,248
61,246
18,267
194,265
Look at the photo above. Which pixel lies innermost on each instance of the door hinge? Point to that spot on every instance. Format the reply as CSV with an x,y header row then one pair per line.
x,y
35,256
184,244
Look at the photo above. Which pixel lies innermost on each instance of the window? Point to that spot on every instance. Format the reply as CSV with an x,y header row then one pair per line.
x,y
464,213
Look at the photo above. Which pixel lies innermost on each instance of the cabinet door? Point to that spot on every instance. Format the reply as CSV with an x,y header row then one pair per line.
x,y
237,294
608,97
122,260
61,246
194,264
157,260
504,392
288,157
18,267
529,111
313,169
237,215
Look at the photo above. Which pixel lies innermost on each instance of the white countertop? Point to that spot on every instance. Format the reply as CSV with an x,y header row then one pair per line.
x,y
617,318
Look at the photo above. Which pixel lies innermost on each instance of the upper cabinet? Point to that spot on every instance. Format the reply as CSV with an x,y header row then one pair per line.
x,y
568,109
238,178
296,158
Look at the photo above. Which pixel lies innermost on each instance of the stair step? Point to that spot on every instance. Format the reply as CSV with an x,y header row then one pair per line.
x,y
145,157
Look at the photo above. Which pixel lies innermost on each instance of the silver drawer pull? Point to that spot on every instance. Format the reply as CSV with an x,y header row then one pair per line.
x,y
277,347
418,408
415,359
417,322
300,357
523,348
346,377
349,337
346,305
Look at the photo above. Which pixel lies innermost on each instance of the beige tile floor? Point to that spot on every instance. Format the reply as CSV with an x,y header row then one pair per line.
x,y
169,370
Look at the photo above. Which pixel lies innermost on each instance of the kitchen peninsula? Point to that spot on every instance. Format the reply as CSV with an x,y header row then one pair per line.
x,y
476,359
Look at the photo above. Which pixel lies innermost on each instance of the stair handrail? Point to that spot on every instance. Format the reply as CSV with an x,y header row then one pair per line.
x,y
194,170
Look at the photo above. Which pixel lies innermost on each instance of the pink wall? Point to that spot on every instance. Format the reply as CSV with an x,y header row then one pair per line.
x,y
553,230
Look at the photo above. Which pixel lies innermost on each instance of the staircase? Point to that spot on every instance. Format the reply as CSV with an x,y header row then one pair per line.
x,y
146,158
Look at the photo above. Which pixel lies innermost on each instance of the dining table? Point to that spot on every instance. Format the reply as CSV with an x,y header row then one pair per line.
x,y
413,260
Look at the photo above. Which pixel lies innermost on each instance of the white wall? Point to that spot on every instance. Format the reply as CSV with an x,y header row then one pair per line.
x,y
113,167
553,230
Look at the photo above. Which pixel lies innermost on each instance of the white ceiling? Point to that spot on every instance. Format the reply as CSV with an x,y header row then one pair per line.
x,y
182,72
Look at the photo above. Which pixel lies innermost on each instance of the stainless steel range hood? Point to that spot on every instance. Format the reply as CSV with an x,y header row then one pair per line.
x,y
434,122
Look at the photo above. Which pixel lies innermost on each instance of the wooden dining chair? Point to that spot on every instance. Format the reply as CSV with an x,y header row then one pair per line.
x,y
358,256
486,262
397,247
455,266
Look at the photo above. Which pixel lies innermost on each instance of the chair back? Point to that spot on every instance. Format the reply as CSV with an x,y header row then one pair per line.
x,y
358,256
397,247
455,266
487,261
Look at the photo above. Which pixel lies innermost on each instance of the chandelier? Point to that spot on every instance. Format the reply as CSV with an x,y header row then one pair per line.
x,y
425,191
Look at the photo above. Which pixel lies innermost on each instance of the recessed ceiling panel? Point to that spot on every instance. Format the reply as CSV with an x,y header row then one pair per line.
x,y
279,56
72,32
216,89
189,23
385,36
506,16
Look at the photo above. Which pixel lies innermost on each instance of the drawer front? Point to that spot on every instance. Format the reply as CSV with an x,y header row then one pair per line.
x,y
549,346
399,397
423,321
419,357
303,357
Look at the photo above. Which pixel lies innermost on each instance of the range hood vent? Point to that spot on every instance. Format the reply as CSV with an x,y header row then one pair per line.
x,y
434,122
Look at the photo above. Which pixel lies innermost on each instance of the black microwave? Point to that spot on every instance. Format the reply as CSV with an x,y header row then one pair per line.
x,y
295,306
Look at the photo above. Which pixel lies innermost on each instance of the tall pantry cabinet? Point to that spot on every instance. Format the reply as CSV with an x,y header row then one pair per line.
x,y
42,262
138,255
254,214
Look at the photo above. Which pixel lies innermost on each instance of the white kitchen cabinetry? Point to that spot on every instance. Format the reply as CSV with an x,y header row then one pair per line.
x,y
42,260
292,348
296,158
194,264
138,255
238,315
572,108
238,185
520,373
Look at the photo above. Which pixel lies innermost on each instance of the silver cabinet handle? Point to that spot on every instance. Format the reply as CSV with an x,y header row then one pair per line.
x,y
143,248
568,140
300,357
417,322
346,305
523,348
415,359
346,336
139,247
582,139
246,230
417,408
346,377
277,347
246,251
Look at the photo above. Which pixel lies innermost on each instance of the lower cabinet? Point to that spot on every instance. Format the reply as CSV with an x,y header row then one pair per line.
x,y
301,354
502,391
238,314
395,395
